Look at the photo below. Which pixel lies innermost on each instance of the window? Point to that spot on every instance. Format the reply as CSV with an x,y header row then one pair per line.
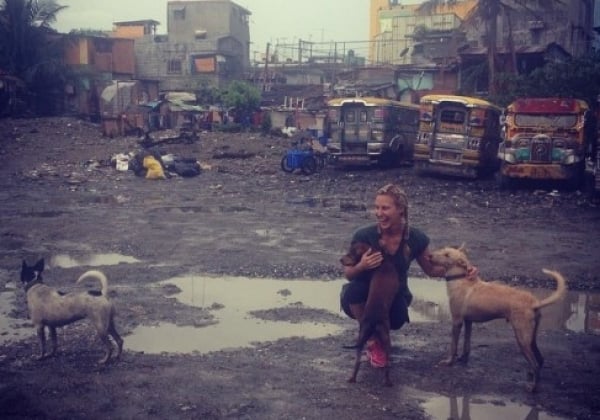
x,y
179,14
452,117
174,66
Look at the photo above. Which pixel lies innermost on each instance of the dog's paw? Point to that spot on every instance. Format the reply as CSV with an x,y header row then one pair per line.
x,y
464,359
446,362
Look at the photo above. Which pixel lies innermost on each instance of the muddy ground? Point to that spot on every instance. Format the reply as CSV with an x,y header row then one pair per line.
x,y
243,216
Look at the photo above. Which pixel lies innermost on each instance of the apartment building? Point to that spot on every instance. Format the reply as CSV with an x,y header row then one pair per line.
x,y
207,42
401,34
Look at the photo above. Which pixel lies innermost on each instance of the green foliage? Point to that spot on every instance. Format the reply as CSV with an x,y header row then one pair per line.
x,y
29,48
241,96
266,124
576,78
208,94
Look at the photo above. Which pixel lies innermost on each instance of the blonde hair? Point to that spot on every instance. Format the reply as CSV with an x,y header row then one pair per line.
x,y
401,200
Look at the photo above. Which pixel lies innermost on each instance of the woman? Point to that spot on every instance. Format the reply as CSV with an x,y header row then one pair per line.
x,y
392,234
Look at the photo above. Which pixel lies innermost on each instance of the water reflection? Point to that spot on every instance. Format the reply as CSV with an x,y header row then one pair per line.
x,y
93,260
481,408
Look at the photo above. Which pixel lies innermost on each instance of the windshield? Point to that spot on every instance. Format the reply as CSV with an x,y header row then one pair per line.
x,y
550,121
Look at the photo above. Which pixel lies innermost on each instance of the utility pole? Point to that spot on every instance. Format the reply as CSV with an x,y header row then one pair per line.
x,y
266,67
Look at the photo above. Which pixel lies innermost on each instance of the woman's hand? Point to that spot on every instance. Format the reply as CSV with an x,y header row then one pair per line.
x,y
370,259
472,272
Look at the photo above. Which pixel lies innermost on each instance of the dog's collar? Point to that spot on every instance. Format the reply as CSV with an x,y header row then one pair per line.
x,y
37,280
456,276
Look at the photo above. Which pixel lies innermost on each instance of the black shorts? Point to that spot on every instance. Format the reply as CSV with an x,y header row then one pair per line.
x,y
355,292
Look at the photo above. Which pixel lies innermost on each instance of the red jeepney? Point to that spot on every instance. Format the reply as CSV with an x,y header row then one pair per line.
x,y
543,139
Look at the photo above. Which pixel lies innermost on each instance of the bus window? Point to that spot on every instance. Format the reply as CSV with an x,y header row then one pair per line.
x,y
363,116
452,117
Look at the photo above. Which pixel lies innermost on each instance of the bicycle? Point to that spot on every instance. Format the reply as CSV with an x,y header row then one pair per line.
x,y
304,159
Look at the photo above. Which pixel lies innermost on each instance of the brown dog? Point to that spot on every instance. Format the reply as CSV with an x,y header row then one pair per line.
x,y
473,300
375,320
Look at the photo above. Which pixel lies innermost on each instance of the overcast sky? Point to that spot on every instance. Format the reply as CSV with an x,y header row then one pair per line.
x,y
274,21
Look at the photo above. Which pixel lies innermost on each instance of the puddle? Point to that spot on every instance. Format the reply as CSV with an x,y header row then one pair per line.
x,y
237,297
93,260
481,408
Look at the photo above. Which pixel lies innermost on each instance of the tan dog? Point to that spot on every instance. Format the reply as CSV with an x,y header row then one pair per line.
x,y
375,320
473,300
49,308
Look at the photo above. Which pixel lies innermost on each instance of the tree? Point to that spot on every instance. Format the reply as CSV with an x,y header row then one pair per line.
x,y
575,78
487,12
29,48
243,97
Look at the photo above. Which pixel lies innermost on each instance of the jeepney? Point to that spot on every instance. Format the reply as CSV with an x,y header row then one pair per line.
x,y
368,129
458,135
544,139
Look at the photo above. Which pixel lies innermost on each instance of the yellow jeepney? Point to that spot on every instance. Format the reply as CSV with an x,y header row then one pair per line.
x,y
368,129
458,135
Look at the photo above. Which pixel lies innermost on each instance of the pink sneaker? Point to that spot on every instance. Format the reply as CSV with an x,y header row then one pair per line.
x,y
376,354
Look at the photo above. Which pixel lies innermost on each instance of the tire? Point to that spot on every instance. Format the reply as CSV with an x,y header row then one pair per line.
x,y
387,160
285,166
505,182
578,178
309,165
321,160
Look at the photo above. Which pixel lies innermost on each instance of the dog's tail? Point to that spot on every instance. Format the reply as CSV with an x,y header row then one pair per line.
x,y
97,275
561,289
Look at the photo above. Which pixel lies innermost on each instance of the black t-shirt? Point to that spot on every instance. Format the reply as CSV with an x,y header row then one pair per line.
x,y
417,242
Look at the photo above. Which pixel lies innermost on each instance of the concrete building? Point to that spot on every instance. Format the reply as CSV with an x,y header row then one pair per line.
x,y
394,25
95,62
207,42
396,28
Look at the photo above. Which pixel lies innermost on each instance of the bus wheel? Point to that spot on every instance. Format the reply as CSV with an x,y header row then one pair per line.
x,y
387,160
578,178
309,165
285,167
505,182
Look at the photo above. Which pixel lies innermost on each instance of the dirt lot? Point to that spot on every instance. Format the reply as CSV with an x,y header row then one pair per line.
x,y
243,216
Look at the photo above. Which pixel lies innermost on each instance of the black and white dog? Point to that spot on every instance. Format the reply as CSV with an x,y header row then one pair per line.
x,y
49,308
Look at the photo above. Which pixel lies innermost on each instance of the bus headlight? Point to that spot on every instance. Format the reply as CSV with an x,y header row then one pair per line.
x,y
473,143
569,157
377,135
507,155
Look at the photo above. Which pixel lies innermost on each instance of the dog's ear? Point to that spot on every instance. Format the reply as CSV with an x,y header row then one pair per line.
x,y
463,247
347,260
39,266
